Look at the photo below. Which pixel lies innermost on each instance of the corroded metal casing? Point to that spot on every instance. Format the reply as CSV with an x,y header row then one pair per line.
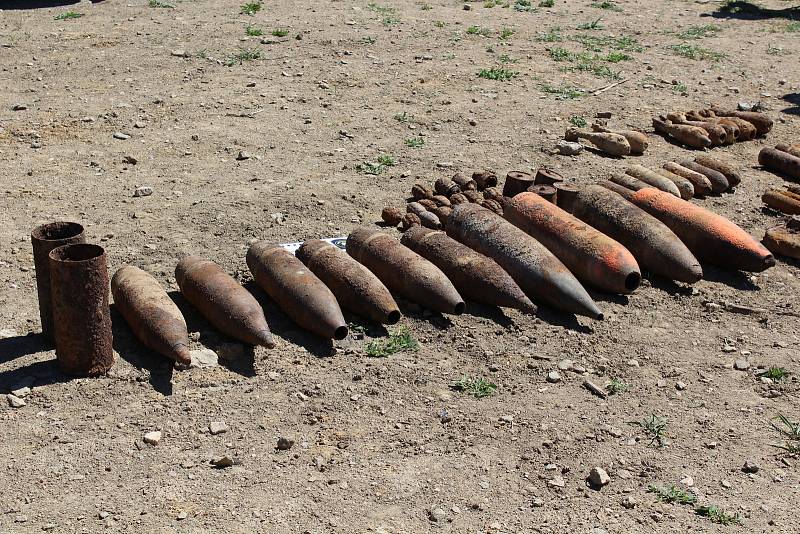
x,y
700,182
476,276
761,121
492,193
392,215
637,140
565,195
443,212
45,238
728,170
652,178
81,316
419,191
442,200
591,255
794,150
409,220
535,269
628,181
691,136
783,162
465,182
484,179
547,192
223,301
516,183
545,176
719,183
152,316
404,271
655,247
446,187
711,238
427,203
784,201
458,198
473,196
297,291
355,287
493,205
685,187
784,239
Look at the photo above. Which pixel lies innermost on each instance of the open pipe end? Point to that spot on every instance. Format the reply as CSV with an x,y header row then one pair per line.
x,y
340,333
393,317
57,231
632,281
459,308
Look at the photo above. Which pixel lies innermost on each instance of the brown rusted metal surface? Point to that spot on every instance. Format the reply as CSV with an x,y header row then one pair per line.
x,y
565,195
152,316
732,131
354,286
484,179
711,238
419,191
784,239
691,136
727,169
653,179
719,183
493,205
296,290
442,200
409,220
545,176
446,187
443,212
392,215
415,207
458,198
492,193
81,316
223,301
655,247
625,180
473,196
760,121
45,238
716,132
517,182
547,192
591,255
427,203
611,143
465,182
637,140
784,201
700,182
685,187
794,150
535,269
404,271
475,276
782,162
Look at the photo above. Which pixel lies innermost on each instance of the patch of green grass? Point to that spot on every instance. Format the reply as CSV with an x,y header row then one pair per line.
x,y
159,4
596,43
679,88
367,40
775,51
695,52
561,54
399,341
672,494
415,142
524,6
792,27
717,515
426,7
201,54
498,74
280,32
242,55
505,33
775,373
388,21
506,59
439,23
547,3
67,15
377,167
477,387
250,8
383,10
253,31
577,121
403,117
655,427
616,386
386,159
553,35
599,70
610,6
616,57
789,431
593,25
699,32
477,30
564,92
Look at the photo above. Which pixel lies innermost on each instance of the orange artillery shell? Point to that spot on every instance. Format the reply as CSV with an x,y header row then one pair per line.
x,y
691,136
446,187
718,181
535,269
782,162
458,198
222,301
700,182
355,287
152,316
716,132
711,238
476,276
684,186
404,271
784,239
591,255
653,178
728,170
465,183
296,290
484,179
784,201
442,200
391,216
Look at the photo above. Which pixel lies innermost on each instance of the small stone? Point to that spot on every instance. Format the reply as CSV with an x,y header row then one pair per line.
x,y
687,481
680,386
14,401
507,419
21,518
143,191
36,144
556,482
728,348
204,358
725,483
437,515
633,363
153,438
122,136
182,516
553,377
243,155
741,365
130,160
139,124
629,502
537,502
467,7
750,467
569,148
6,333
598,477
178,53
217,427
221,462
19,107
21,392
565,365
284,444
603,115
103,515
745,106
711,445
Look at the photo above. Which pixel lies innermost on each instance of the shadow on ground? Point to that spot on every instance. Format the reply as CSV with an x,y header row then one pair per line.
x,y
740,9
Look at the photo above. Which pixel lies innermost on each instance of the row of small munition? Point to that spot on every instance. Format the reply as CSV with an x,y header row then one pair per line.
x,y
783,159
712,127
787,202
688,178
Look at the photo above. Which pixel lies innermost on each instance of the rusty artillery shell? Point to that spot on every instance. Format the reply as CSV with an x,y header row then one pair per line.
x,y
81,316
443,212
591,255
492,193
465,182
547,192
458,198
794,150
152,316
222,301
784,239
637,140
711,238
415,207
476,276
626,180
793,188
473,196
355,287
535,269
716,132
391,215
701,183
484,179
442,200
685,187
653,178
691,136
565,196
732,131
517,182
419,191
728,170
296,289
427,203
492,205
545,176
426,218
446,187
409,220
747,130
610,143
404,271
655,247
45,238
784,201
783,162
760,121
718,181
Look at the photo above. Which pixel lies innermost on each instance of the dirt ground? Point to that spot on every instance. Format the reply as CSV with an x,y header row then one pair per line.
x,y
381,444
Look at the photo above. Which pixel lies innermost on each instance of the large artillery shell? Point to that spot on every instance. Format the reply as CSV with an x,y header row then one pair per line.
x,y
355,287
458,198
476,276
655,247
492,193
684,186
442,200
711,238
297,291
45,238
691,136
700,182
653,178
637,140
591,255
535,269
465,182
404,271
152,316
716,132
732,131
784,239
81,316
718,181
728,170
419,191
794,150
426,217
446,187
516,183
565,195
761,121
222,301
493,205
484,179
391,215
626,180
545,176
547,192
784,201
783,162
415,207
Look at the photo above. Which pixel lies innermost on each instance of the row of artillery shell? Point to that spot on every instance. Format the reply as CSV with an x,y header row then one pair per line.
x,y
787,202
781,160
784,239
712,127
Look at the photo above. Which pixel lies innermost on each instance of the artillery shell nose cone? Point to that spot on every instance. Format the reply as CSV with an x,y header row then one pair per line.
x,y
266,340
182,355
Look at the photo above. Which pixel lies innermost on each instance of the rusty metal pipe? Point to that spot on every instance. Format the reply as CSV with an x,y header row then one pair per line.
x,y
783,162
404,271
81,316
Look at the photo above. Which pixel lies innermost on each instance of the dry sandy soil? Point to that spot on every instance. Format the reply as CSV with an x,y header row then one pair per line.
x,y
381,445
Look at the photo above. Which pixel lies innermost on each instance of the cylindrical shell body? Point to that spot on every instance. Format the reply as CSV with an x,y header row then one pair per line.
x,y
473,196
794,150
685,187
716,132
475,276
517,182
547,192
152,316
653,178
415,207
611,143
484,179
535,269
691,136
784,239
446,187
492,193
430,220
355,287
637,140
761,122
443,212
45,238
732,131
718,181
545,176
565,195
592,256
223,301
728,170
700,182
783,162
493,205
655,247
465,182
427,203
784,201
409,220
404,271
419,191
626,180
458,198
391,215
442,200
81,316
296,289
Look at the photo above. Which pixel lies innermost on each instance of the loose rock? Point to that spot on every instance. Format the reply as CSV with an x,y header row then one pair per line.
x,y
153,438
598,477
14,401
569,148
284,444
554,377
143,191
217,427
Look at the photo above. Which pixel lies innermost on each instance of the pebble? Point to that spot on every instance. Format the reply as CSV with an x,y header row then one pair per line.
x,y
598,477
687,481
243,155
21,392
565,365
554,377
217,427
143,191
437,515
284,444
179,53
728,348
182,516
750,467
122,136
14,401
633,363
745,106
222,462
36,144
153,438
19,107
725,483
139,124
537,502
629,502
603,115
741,365
204,358
680,386
556,482
569,148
